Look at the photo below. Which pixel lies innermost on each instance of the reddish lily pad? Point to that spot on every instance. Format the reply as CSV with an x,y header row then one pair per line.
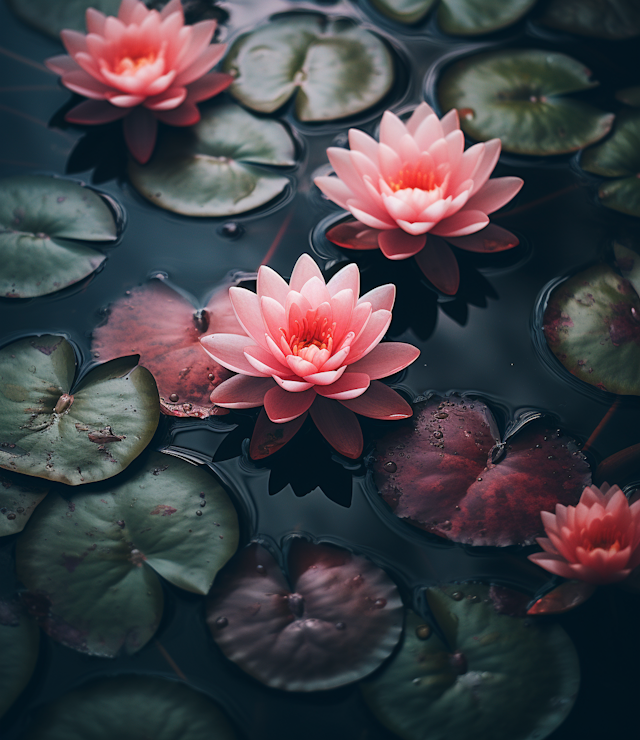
x,y
19,643
336,619
564,597
448,473
19,496
164,328
592,325
94,586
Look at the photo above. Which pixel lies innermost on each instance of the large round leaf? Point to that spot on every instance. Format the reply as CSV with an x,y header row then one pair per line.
x,y
52,16
132,708
520,97
164,328
42,222
618,156
332,66
19,642
336,619
448,474
592,325
404,11
605,19
496,679
213,168
79,434
472,17
19,496
90,561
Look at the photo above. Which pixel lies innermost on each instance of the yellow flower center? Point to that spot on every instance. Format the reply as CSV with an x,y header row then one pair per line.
x,y
130,65
316,334
412,177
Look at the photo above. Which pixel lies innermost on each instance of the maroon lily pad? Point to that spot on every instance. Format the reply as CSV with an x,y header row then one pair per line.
x,y
164,328
564,597
336,620
449,474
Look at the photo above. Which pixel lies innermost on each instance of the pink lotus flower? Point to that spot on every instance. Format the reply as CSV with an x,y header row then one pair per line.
x,y
419,180
311,347
143,66
597,541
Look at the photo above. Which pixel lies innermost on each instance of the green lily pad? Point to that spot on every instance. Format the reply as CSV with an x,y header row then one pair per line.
x,y
19,496
404,11
519,96
592,325
52,16
472,17
619,157
334,67
628,262
42,222
19,642
132,708
497,679
91,560
216,168
81,433
604,19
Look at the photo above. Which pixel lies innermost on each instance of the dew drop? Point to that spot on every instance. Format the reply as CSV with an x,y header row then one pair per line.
x,y
390,466
198,513
203,503
261,570
11,516
341,626
231,230
438,435
423,632
221,622
441,415
380,603
457,595
174,397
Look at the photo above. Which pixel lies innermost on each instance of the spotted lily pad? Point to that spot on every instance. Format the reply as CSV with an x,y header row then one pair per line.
x,y
132,708
496,678
70,432
219,167
19,642
91,559
448,473
43,222
619,157
164,328
334,67
19,496
604,19
52,16
334,620
520,96
592,325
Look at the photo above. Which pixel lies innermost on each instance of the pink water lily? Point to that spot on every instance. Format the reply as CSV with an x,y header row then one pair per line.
x,y
416,188
311,347
597,541
144,66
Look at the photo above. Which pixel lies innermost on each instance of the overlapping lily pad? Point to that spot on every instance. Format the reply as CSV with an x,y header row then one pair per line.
x,y
562,598
333,67
73,433
448,473
334,620
164,328
619,157
495,678
219,167
91,560
19,642
43,222
132,707
19,496
52,16
605,19
592,325
522,97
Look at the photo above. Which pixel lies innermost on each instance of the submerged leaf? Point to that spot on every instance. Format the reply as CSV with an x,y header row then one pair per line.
x,y
94,585
455,479
43,222
72,434
564,597
332,66
19,643
497,678
520,96
336,619
604,19
19,496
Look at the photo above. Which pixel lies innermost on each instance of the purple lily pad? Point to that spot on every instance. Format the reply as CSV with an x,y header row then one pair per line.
x,y
336,621
449,474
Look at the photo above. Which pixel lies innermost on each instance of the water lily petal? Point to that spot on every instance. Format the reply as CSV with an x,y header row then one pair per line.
x,y
495,193
186,114
228,351
379,402
95,111
371,335
264,362
461,223
348,278
396,244
383,296
439,265
339,426
304,269
268,437
242,392
292,385
140,131
282,406
271,284
350,385
386,359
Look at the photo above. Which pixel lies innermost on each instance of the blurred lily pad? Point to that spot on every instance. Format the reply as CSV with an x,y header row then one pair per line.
x,y
131,707
404,11
91,560
334,620
19,642
630,96
164,328
334,67
219,167
70,432
472,17
52,16
19,496
619,157
604,19
43,221
592,325
456,479
496,678
520,96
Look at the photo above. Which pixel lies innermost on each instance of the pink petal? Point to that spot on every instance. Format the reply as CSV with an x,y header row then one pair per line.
x,y
62,64
274,317
127,10
379,402
95,21
185,115
336,361
390,162
554,564
396,244
371,335
428,132
173,6
315,291
339,426
383,296
268,437
342,305
73,41
386,359
209,85
348,278
334,189
199,39
350,385
246,307
271,284
304,269
353,235
392,130
167,100
486,164
140,130
439,265
494,194
282,406
365,144
450,122
462,223
209,58
368,218
292,385
94,112
488,240
417,117
124,101
327,377
83,83
241,392
416,228
228,351
264,362
301,367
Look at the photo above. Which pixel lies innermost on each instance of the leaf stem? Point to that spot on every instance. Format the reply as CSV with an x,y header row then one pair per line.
x,y
603,423
175,667
537,202
278,238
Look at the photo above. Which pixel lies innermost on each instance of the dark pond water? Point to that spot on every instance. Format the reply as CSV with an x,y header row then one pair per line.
x,y
482,342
